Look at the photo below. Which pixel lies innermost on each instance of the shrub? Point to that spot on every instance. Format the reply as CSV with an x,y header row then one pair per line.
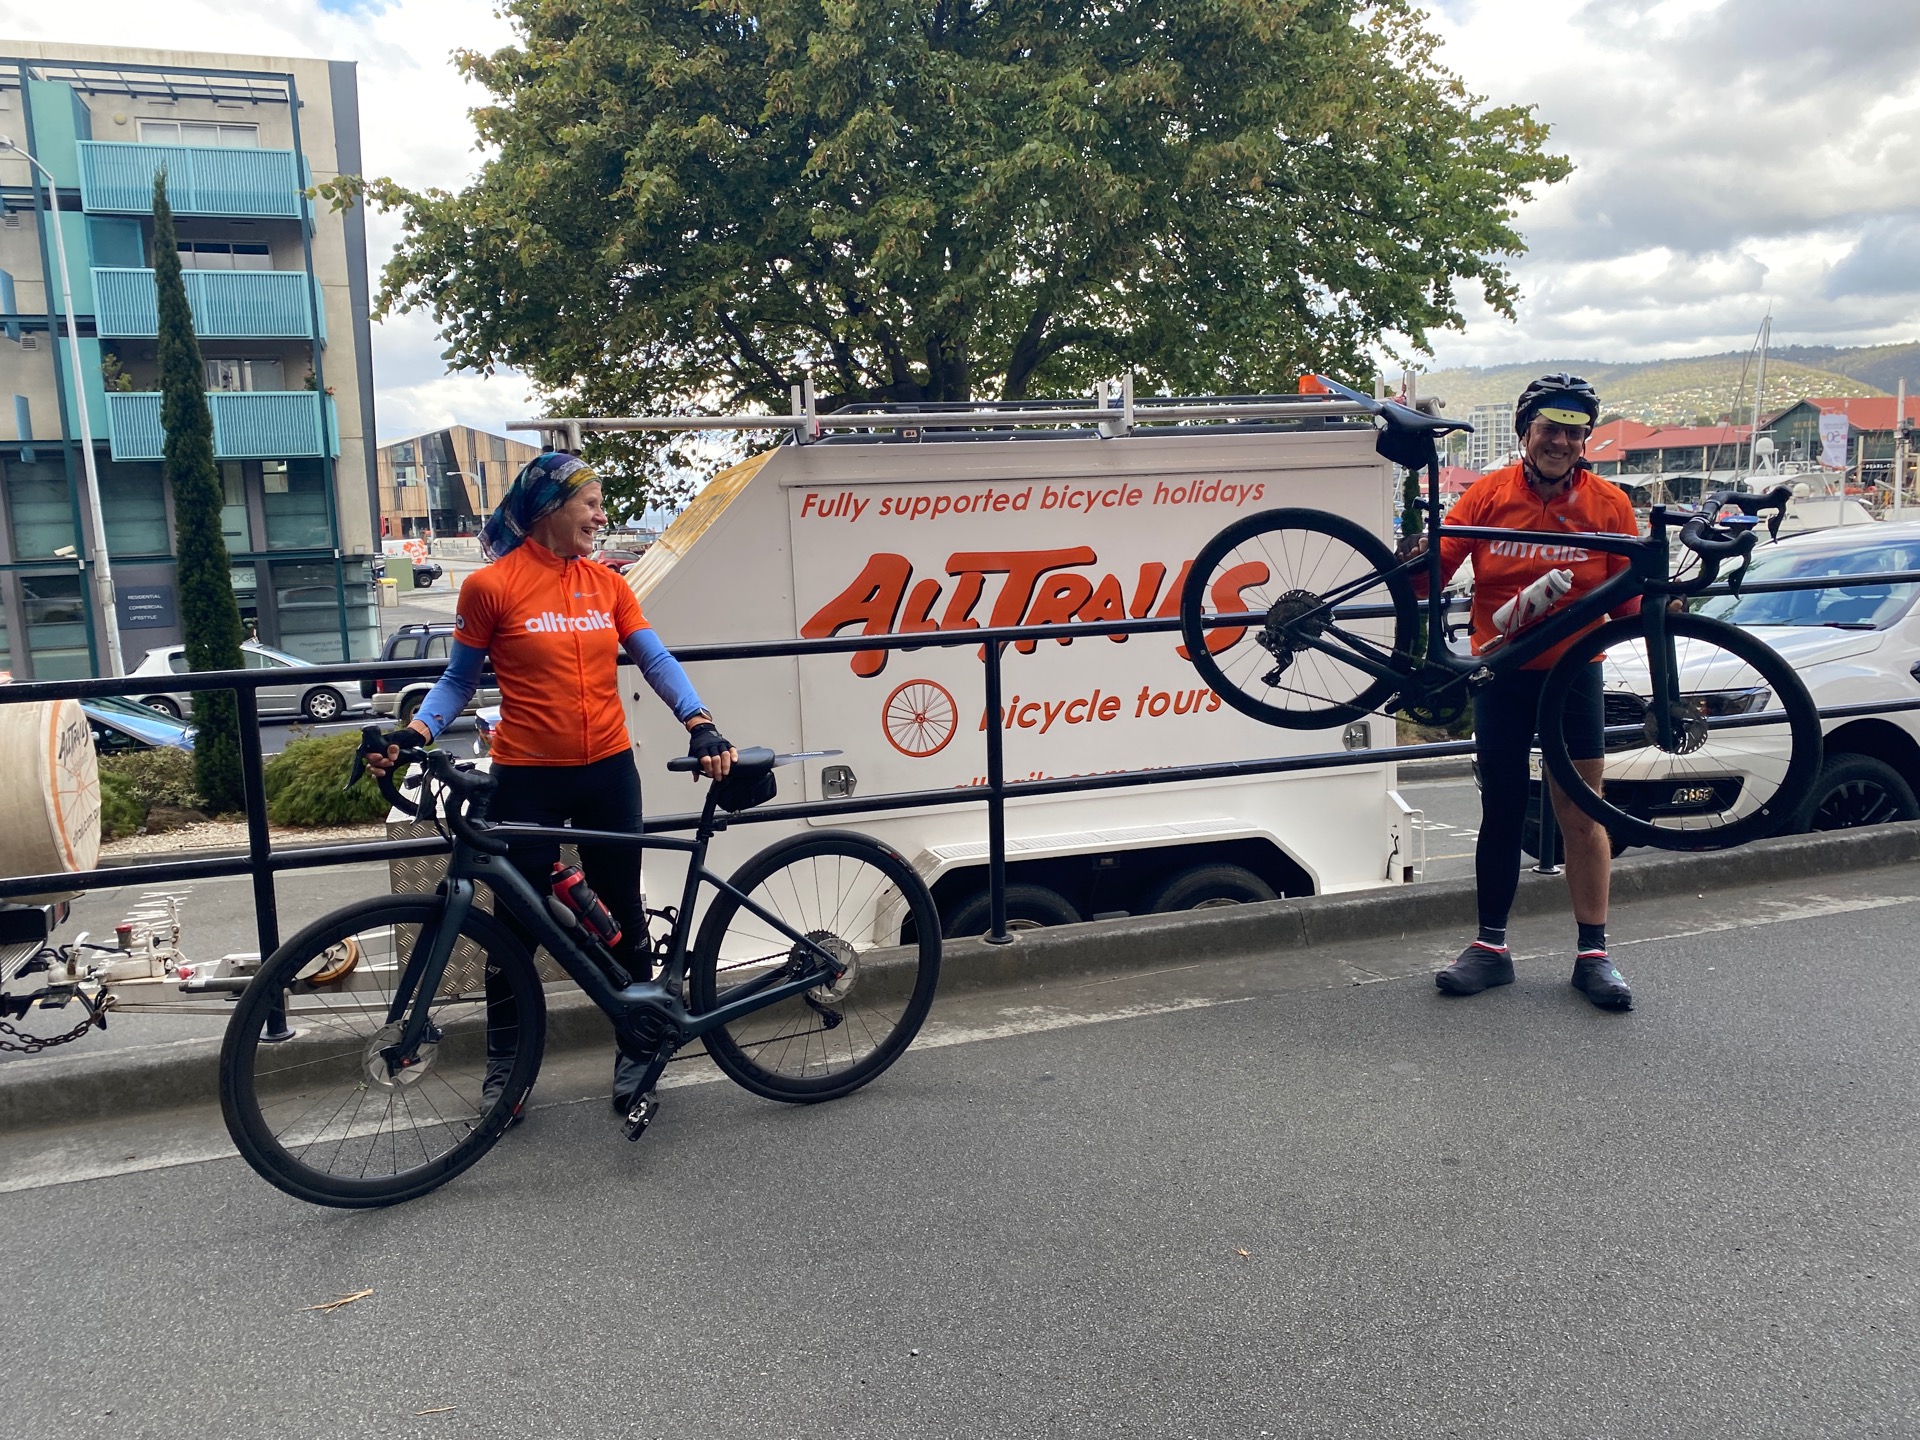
x,y
306,785
121,811
155,777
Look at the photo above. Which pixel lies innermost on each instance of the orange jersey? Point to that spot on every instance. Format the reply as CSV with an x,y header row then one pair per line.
x,y
552,628
1503,568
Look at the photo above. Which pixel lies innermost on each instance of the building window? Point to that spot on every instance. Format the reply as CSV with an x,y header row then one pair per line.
x,y
233,508
41,508
261,374
224,255
403,453
295,498
307,607
55,620
133,502
205,133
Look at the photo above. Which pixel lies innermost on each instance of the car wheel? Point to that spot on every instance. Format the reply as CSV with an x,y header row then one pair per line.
x,y
1209,886
404,712
164,704
1029,907
323,705
1856,790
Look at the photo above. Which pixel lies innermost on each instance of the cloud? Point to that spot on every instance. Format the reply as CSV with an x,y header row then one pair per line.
x,y
1731,156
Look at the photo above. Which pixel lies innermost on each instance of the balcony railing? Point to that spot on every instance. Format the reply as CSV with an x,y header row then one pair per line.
x,y
116,178
247,425
227,304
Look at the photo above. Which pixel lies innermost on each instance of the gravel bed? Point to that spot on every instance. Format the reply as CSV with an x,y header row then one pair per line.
x,y
232,835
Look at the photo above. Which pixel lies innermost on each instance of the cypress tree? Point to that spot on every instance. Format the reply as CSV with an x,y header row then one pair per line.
x,y
208,612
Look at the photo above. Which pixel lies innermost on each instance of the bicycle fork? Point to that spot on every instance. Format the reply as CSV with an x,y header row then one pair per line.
x,y
421,978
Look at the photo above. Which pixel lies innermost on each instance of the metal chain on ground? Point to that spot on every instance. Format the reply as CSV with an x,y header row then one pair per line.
x,y
29,1044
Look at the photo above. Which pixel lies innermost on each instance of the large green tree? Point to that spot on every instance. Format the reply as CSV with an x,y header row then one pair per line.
x,y
209,615
924,200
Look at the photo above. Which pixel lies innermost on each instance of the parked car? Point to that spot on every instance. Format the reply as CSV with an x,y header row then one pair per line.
x,y
1850,644
425,572
319,703
120,726
400,698
615,560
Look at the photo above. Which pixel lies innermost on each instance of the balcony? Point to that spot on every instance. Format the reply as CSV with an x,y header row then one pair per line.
x,y
116,178
247,425
227,304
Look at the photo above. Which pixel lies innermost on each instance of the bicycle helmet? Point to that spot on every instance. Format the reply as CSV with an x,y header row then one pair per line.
x,y
1564,398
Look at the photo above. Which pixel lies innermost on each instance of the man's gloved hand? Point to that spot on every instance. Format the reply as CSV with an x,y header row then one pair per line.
x,y
706,744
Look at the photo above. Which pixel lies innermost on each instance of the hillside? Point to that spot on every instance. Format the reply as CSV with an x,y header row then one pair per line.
x,y
1673,392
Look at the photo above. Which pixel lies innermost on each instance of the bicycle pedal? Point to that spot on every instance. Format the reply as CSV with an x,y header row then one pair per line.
x,y
641,1115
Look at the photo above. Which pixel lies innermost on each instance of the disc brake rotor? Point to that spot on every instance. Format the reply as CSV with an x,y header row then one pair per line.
x,y
374,1059
842,952
1689,728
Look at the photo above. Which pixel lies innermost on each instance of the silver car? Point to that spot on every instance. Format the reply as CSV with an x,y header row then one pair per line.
x,y
316,702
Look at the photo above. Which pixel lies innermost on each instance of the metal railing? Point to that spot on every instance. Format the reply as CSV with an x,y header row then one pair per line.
x,y
116,178
226,304
247,424
263,862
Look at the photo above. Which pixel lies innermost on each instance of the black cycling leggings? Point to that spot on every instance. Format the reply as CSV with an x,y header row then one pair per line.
x,y
1506,718
602,796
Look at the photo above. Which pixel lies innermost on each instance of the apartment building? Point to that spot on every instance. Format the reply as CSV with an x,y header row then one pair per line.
x,y
1492,441
446,482
279,292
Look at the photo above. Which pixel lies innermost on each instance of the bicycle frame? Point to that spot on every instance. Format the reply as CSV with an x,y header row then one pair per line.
x,y
1647,576
644,1013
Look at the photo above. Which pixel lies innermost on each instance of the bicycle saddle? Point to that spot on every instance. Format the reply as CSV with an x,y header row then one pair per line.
x,y
1406,434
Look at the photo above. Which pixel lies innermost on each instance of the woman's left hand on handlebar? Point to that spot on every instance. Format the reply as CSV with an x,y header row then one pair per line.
x,y
381,762
706,744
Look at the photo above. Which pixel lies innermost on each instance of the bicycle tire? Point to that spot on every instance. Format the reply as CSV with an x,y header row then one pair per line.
x,y
272,1095
1763,803
1323,692
834,887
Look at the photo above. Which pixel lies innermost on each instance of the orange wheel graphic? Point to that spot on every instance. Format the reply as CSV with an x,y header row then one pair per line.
x,y
920,718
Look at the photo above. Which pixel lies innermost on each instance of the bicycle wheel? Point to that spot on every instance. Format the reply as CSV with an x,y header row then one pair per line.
x,y
319,1115
850,895
1716,784
1305,572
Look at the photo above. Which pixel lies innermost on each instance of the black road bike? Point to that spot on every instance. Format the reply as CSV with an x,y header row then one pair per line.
x,y
1305,619
812,969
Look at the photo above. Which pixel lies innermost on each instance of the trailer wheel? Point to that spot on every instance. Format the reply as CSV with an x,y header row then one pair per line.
x,y
1029,907
1206,887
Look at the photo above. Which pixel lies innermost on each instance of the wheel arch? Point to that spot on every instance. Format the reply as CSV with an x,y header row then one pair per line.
x,y
1881,739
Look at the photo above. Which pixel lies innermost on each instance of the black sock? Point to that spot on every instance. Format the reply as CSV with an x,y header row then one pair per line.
x,y
1493,937
1593,938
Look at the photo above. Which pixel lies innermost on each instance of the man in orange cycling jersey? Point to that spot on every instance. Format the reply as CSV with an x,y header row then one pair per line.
x,y
1549,490
555,624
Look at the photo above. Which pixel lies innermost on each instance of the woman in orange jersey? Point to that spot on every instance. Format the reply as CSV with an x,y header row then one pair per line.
x,y
1549,490
554,624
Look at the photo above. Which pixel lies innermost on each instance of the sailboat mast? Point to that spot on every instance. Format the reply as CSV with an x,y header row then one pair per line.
x,y
1759,393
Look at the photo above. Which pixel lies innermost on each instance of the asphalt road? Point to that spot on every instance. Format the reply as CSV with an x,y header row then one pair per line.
x,y
1193,1203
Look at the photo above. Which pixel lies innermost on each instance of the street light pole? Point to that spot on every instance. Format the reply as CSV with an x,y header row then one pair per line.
x,y
103,568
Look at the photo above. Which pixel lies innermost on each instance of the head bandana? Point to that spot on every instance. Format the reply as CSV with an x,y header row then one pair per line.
x,y
541,487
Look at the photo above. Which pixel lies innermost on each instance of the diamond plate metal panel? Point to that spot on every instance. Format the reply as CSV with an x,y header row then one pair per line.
x,y
421,875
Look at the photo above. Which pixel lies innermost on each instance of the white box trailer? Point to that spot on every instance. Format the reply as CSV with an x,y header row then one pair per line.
x,y
877,534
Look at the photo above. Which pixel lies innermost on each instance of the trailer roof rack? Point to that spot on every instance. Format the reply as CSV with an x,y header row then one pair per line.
x,y
1111,411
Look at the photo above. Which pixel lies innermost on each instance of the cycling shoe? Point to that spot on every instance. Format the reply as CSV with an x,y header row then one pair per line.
x,y
1476,968
1596,977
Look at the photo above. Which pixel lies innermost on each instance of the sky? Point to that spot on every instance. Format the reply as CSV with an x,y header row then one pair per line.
x,y
1731,157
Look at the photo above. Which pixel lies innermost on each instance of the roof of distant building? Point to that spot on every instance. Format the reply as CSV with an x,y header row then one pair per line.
x,y
1864,412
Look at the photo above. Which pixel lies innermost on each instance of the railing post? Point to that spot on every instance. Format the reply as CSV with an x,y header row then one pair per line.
x,y
996,804
266,907
1548,861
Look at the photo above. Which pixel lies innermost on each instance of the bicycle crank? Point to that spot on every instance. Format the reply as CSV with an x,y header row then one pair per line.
x,y
645,1107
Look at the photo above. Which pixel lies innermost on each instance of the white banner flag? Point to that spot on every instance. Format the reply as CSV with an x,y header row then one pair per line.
x,y
1833,440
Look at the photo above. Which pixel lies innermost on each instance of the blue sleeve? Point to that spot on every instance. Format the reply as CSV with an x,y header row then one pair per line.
x,y
454,688
663,673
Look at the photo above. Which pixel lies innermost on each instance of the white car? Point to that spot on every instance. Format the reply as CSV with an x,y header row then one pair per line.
x,y
1850,645
319,703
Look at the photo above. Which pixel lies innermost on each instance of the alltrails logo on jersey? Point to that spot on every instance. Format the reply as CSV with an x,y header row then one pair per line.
x,y
552,622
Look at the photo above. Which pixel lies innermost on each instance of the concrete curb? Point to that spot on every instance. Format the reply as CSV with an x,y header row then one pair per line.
x,y
63,1089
